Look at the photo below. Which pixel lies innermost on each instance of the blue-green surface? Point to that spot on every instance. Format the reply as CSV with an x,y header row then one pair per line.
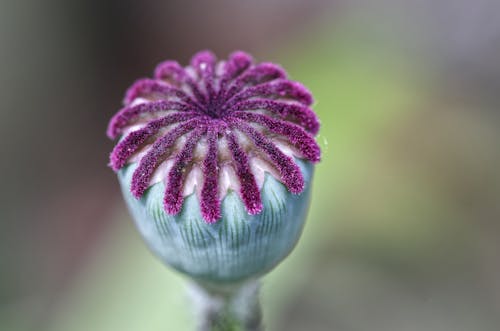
x,y
238,246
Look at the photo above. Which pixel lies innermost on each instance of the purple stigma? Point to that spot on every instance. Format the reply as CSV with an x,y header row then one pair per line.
x,y
212,126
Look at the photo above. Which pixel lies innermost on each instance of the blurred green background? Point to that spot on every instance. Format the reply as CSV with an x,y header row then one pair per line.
x,y
403,231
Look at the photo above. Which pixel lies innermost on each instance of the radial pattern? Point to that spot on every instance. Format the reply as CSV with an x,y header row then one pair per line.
x,y
215,126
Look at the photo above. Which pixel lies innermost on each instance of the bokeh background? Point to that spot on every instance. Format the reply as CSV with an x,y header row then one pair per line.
x,y
403,232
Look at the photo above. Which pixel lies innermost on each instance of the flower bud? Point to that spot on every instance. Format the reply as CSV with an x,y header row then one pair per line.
x,y
215,164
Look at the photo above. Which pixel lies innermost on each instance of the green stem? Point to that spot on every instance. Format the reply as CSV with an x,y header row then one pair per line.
x,y
227,307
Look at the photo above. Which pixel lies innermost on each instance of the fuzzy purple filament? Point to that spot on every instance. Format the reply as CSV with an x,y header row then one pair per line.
x,y
250,106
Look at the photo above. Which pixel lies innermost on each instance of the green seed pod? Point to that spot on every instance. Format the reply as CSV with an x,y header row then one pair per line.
x,y
237,247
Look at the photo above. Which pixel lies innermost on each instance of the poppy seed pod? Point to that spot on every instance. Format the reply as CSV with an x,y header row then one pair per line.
x,y
215,163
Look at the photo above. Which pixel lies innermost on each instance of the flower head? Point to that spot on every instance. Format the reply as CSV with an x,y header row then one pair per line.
x,y
214,127
215,163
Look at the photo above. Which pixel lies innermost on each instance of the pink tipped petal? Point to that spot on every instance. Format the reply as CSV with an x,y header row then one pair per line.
x,y
134,140
204,63
297,135
209,202
170,72
258,74
304,116
297,91
126,115
175,75
173,193
249,191
278,89
237,64
289,171
151,160
147,88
